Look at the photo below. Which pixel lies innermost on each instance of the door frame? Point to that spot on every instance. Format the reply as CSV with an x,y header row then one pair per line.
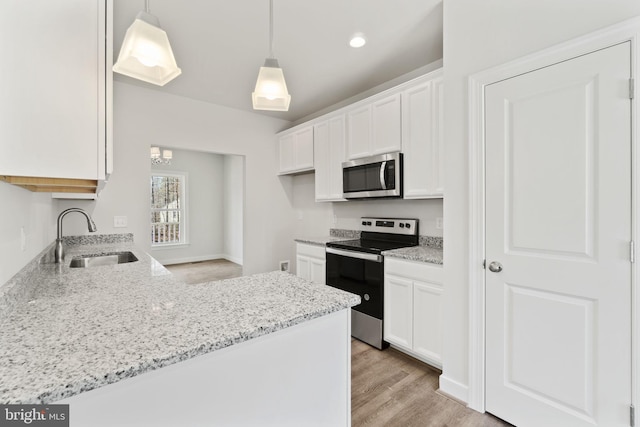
x,y
628,30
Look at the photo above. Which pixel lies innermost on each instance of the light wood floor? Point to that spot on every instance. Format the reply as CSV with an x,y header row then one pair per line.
x,y
389,388
205,271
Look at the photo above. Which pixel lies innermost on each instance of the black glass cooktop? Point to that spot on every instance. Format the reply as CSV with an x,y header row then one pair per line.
x,y
371,246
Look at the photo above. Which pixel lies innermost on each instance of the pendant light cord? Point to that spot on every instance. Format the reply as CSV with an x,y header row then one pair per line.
x,y
270,28
146,6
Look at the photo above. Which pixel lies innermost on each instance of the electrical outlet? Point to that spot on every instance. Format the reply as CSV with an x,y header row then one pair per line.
x,y
119,221
439,223
284,266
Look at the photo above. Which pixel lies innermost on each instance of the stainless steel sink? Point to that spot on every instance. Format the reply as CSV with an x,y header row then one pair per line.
x,y
113,258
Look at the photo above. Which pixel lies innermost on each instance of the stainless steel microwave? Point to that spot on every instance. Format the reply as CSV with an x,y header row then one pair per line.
x,y
373,177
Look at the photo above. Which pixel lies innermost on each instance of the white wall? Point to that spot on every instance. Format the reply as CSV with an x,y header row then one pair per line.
x,y
477,36
233,202
315,219
143,117
205,198
35,214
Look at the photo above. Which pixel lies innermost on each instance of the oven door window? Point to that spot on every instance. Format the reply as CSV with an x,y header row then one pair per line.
x,y
359,277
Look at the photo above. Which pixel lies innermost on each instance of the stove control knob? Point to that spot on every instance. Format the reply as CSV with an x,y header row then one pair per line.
x,y
367,297
401,225
408,225
364,222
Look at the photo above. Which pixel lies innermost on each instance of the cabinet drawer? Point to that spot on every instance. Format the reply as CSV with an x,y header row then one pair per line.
x,y
422,271
314,251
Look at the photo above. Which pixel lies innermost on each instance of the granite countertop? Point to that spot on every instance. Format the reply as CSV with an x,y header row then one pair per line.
x,y
320,241
73,330
426,254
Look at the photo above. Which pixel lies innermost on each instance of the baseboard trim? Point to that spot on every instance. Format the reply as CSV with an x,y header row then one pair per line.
x,y
454,389
237,260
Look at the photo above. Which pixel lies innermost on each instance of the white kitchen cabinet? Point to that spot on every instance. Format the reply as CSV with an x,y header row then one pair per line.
x,y
422,138
311,262
55,109
413,308
386,125
329,153
296,151
374,127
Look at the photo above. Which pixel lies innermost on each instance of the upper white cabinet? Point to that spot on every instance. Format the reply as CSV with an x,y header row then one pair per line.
x,y
374,127
329,153
413,308
422,139
55,108
296,151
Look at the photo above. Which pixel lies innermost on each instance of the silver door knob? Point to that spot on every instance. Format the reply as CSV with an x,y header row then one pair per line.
x,y
495,267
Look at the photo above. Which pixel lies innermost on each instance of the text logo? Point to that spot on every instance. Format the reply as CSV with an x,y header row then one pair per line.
x,y
34,415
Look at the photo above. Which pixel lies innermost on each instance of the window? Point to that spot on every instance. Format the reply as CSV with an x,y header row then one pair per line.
x,y
168,219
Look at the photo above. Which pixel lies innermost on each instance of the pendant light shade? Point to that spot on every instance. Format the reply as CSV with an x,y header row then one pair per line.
x,y
146,53
271,90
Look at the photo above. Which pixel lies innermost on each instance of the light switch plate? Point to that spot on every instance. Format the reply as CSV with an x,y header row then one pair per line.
x,y
119,221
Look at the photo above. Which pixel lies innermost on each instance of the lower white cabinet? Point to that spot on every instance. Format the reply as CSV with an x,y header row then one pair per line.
x,y
413,308
311,262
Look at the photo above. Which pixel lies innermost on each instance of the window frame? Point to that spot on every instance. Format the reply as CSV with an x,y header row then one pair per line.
x,y
184,226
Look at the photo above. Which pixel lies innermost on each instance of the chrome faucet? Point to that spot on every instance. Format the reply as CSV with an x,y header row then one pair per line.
x,y
59,251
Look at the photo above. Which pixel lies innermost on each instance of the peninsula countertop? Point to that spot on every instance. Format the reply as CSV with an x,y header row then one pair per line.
x,y
78,329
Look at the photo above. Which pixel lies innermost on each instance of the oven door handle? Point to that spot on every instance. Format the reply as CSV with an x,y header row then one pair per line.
x,y
352,254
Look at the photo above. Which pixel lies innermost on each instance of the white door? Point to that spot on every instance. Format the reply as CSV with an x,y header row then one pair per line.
x,y
558,220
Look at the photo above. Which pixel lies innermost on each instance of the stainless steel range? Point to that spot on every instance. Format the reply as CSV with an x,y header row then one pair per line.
x,y
357,266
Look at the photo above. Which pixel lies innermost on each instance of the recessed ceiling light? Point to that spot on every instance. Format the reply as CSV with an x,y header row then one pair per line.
x,y
358,40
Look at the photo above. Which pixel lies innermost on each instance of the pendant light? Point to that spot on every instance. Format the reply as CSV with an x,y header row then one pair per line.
x,y
146,53
271,90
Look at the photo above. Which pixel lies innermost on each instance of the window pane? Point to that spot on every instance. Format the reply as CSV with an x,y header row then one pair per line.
x,y
166,206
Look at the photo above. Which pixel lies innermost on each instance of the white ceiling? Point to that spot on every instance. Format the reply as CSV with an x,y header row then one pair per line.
x,y
220,44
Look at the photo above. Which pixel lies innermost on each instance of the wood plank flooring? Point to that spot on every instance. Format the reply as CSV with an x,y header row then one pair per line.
x,y
205,271
389,388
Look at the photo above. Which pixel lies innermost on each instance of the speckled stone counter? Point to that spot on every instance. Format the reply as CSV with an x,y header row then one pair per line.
x,y
417,253
319,241
74,330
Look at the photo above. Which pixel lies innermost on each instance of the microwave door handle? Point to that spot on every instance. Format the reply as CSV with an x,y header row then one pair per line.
x,y
383,180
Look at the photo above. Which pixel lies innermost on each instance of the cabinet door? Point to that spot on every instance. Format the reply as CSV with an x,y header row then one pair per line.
x,y
417,141
386,125
336,156
321,158
286,153
427,323
437,102
317,271
303,149
422,141
398,311
359,132
302,267
52,108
